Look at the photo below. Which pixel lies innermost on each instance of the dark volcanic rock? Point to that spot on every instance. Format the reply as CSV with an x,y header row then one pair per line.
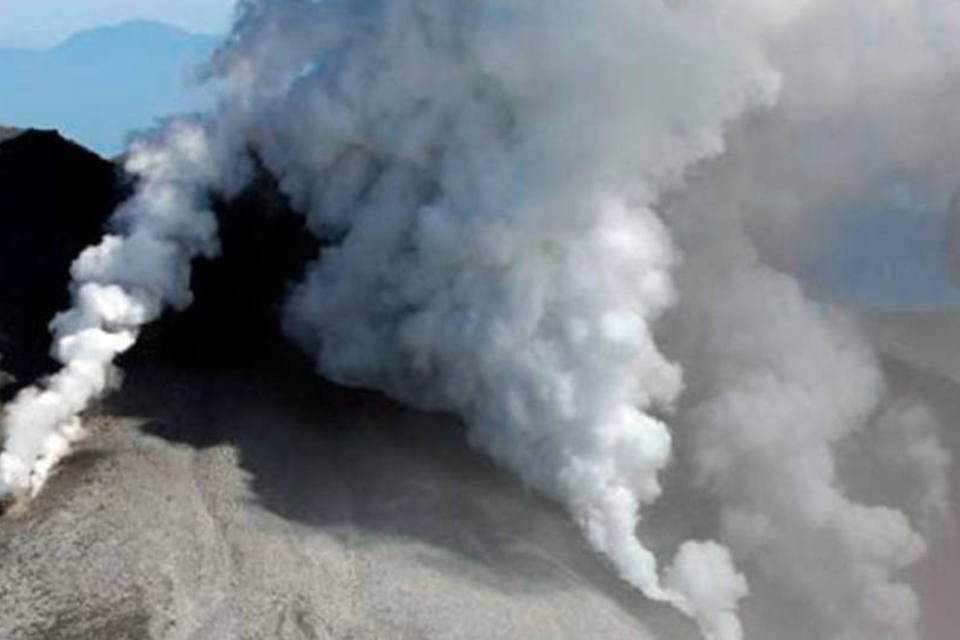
x,y
54,199
238,296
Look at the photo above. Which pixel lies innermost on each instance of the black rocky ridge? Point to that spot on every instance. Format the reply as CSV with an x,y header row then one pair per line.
x,y
56,199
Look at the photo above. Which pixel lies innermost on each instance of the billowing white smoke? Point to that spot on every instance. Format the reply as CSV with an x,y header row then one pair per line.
x,y
488,173
506,189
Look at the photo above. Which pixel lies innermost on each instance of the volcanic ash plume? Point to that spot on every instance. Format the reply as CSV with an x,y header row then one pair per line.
x,y
504,191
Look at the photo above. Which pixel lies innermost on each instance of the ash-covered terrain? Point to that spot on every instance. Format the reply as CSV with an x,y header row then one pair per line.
x,y
233,494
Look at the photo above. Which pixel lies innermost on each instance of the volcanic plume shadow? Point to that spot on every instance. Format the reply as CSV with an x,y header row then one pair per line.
x,y
357,466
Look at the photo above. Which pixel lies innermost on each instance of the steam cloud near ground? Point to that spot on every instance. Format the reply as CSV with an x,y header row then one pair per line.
x,y
573,224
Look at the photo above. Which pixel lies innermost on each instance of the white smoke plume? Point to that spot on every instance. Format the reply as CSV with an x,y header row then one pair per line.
x,y
497,252
571,223
117,286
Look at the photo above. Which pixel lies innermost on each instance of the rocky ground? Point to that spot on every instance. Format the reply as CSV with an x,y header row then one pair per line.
x,y
252,502
242,504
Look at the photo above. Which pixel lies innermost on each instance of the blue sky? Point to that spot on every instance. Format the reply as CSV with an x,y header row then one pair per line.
x,y
43,23
890,253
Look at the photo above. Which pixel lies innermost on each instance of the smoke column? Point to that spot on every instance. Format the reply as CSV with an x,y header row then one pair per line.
x,y
572,223
495,250
117,287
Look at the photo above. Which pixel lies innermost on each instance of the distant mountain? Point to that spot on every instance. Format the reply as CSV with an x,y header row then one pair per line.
x,y
98,85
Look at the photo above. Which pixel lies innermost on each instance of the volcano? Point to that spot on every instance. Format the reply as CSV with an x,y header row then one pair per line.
x,y
227,494
225,497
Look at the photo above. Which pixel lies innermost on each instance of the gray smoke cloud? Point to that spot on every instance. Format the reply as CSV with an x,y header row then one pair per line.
x,y
573,224
776,382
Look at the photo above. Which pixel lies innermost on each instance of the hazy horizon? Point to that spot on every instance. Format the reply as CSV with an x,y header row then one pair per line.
x,y
47,24
118,24
99,85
